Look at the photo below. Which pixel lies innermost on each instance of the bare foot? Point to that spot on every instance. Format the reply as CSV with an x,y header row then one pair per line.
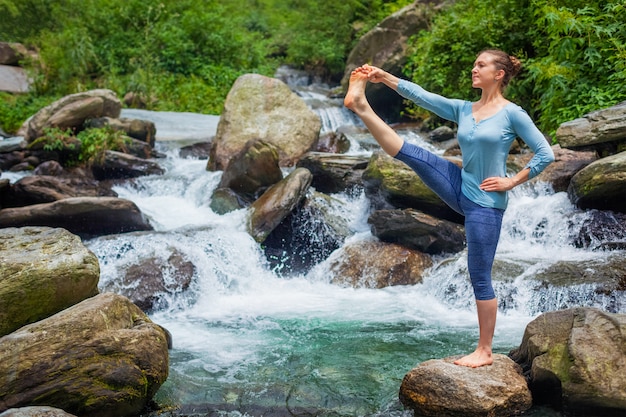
x,y
480,357
355,97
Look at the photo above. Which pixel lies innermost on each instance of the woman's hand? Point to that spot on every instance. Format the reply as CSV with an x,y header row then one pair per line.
x,y
497,184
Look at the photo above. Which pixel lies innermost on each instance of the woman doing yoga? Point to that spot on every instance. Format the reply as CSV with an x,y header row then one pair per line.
x,y
485,130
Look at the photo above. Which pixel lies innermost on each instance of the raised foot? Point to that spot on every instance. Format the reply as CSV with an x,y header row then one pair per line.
x,y
476,359
355,97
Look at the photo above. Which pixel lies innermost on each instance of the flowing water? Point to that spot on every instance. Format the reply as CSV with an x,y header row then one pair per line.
x,y
249,341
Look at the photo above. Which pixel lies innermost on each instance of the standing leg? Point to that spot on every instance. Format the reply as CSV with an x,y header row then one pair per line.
x,y
482,227
356,101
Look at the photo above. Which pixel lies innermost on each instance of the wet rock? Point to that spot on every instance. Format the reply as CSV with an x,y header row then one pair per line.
x,y
440,388
334,173
84,216
102,357
604,230
277,202
118,165
253,170
371,264
308,235
601,185
574,360
42,271
150,282
70,112
259,107
417,230
333,142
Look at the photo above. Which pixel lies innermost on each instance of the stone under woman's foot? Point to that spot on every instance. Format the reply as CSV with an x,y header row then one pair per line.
x,y
355,97
476,359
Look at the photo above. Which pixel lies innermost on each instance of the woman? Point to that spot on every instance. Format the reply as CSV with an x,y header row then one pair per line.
x,y
486,129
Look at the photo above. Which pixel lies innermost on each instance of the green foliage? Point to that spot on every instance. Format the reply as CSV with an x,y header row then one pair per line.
x,y
580,58
55,139
96,141
574,53
15,109
183,54
442,57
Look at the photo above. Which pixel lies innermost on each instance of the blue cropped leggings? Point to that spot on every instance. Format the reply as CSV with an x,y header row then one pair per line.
x,y
482,224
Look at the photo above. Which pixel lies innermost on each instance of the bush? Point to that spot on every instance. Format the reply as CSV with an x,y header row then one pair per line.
x,y
574,53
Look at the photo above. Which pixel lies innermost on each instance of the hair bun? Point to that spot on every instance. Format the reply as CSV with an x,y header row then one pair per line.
x,y
517,65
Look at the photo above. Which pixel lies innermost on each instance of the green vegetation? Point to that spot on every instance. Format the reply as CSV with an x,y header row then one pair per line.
x,y
574,53
180,55
86,148
184,55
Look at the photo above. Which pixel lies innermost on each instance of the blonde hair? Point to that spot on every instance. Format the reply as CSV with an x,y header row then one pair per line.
x,y
503,61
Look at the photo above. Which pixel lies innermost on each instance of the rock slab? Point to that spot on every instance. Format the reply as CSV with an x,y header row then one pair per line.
x,y
439,388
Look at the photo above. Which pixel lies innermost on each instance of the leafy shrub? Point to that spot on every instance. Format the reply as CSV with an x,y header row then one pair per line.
x,y
574,53
96,141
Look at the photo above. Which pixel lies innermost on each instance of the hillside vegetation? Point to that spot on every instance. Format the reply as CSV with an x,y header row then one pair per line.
x,y
184,55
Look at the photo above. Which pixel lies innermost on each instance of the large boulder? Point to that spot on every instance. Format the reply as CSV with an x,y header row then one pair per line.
x,y
102,357
259,107
334,173
266,213
372,264
70,112
37,189
575,359
601,184
390,183
119,165
417,230
439,388
13,79
252,171
606,125
85,216
566,164
385,46
151,282
42,271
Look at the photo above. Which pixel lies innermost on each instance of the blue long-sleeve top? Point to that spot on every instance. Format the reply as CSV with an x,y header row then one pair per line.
x,y
484,145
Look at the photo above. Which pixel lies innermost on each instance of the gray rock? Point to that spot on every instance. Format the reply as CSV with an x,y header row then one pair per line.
x,y
600,126
258,107
277,202
102,357
42,411
372,264
42,271
70,112
334,173
418,231
439,388
576,359
85,216
601,185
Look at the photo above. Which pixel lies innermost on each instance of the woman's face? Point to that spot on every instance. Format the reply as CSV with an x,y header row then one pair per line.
x,y
485,73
